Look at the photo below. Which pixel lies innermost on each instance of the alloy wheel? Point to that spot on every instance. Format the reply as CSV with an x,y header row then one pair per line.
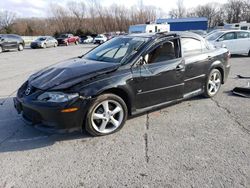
x,y
214,83
20,48
107,116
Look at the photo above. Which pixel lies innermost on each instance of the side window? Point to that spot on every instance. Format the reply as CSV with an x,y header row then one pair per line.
x,y
166,51
11,38
191,46
242,35
228,36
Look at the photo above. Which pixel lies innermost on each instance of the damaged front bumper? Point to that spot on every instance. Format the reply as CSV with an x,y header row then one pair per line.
x,y
50,117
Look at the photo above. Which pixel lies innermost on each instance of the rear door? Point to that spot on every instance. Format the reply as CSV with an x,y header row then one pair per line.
x,y
197,60
12,42
160,78
242,42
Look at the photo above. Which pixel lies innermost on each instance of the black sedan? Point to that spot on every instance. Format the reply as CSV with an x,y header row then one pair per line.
x,y
11,42
123,77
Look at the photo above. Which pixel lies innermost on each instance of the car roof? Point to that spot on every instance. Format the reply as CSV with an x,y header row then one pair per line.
x,y
233,30
166,34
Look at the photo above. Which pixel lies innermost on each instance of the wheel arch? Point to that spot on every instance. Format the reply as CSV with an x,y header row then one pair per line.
x,y
218,65
121,93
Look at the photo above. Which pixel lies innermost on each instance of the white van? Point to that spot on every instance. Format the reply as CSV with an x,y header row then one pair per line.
x,y
149,28
236,41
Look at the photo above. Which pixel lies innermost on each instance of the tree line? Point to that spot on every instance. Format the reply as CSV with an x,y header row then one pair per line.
x,y
82,18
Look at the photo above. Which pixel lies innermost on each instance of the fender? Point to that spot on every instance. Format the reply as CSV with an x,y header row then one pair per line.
x,y
119,87
218,65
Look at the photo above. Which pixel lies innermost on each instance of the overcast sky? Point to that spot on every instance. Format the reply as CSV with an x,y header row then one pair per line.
x,y
37,8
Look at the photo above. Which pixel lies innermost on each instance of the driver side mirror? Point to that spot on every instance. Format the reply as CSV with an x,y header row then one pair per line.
x,y
220,40
141,61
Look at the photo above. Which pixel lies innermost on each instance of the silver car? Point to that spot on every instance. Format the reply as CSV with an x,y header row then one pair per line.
x,y
44,42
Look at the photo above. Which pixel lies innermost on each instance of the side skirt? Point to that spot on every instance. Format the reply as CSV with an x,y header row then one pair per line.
x,y
166,104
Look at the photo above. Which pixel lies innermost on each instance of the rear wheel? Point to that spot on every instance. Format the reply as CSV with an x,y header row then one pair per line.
x,y
20,47
213,83
106,115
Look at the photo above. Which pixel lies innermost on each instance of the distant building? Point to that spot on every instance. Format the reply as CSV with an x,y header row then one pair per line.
x,y
149,28
185,24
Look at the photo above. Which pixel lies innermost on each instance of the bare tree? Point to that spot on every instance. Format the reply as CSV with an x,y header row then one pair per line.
x,y
210,11
178,12
7,19
233,10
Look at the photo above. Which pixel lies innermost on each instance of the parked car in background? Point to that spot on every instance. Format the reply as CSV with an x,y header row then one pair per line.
x,y
66,39
236,41
125,76
11,42
44,42
199,32
86,39
99,39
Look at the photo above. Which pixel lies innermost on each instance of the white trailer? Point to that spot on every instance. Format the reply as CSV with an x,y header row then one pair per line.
x,y
240,26
149,28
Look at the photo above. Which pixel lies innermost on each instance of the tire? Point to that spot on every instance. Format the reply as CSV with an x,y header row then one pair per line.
x,y
20,47
55,45
213,83
1,49
100,122
76,42
67,43
44,46
249,53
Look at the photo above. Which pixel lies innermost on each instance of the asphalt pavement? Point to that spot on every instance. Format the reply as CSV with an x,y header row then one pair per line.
x,y
197,143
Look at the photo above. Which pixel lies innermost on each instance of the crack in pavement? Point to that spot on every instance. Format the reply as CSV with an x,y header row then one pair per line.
x,y
147,122
231,116
146,147
146,139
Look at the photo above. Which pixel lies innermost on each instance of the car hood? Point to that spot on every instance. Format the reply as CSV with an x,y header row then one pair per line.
x,y
68,73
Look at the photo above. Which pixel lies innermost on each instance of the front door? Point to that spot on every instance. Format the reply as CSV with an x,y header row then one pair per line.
x,y
161,78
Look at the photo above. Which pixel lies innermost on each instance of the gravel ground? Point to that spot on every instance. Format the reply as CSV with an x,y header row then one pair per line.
x,y
197,143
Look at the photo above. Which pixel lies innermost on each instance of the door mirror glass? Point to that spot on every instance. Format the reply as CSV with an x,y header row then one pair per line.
x,y
140,62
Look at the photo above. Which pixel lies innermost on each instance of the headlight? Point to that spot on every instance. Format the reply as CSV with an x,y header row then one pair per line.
x,y
57,96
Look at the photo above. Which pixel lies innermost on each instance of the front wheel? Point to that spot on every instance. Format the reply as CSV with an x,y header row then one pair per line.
x,y
106,115
213,83
1,49
20,47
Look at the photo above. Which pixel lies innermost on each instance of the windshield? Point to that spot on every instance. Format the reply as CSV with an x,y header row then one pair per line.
x,y
99,36
117,49
41,39
214,36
